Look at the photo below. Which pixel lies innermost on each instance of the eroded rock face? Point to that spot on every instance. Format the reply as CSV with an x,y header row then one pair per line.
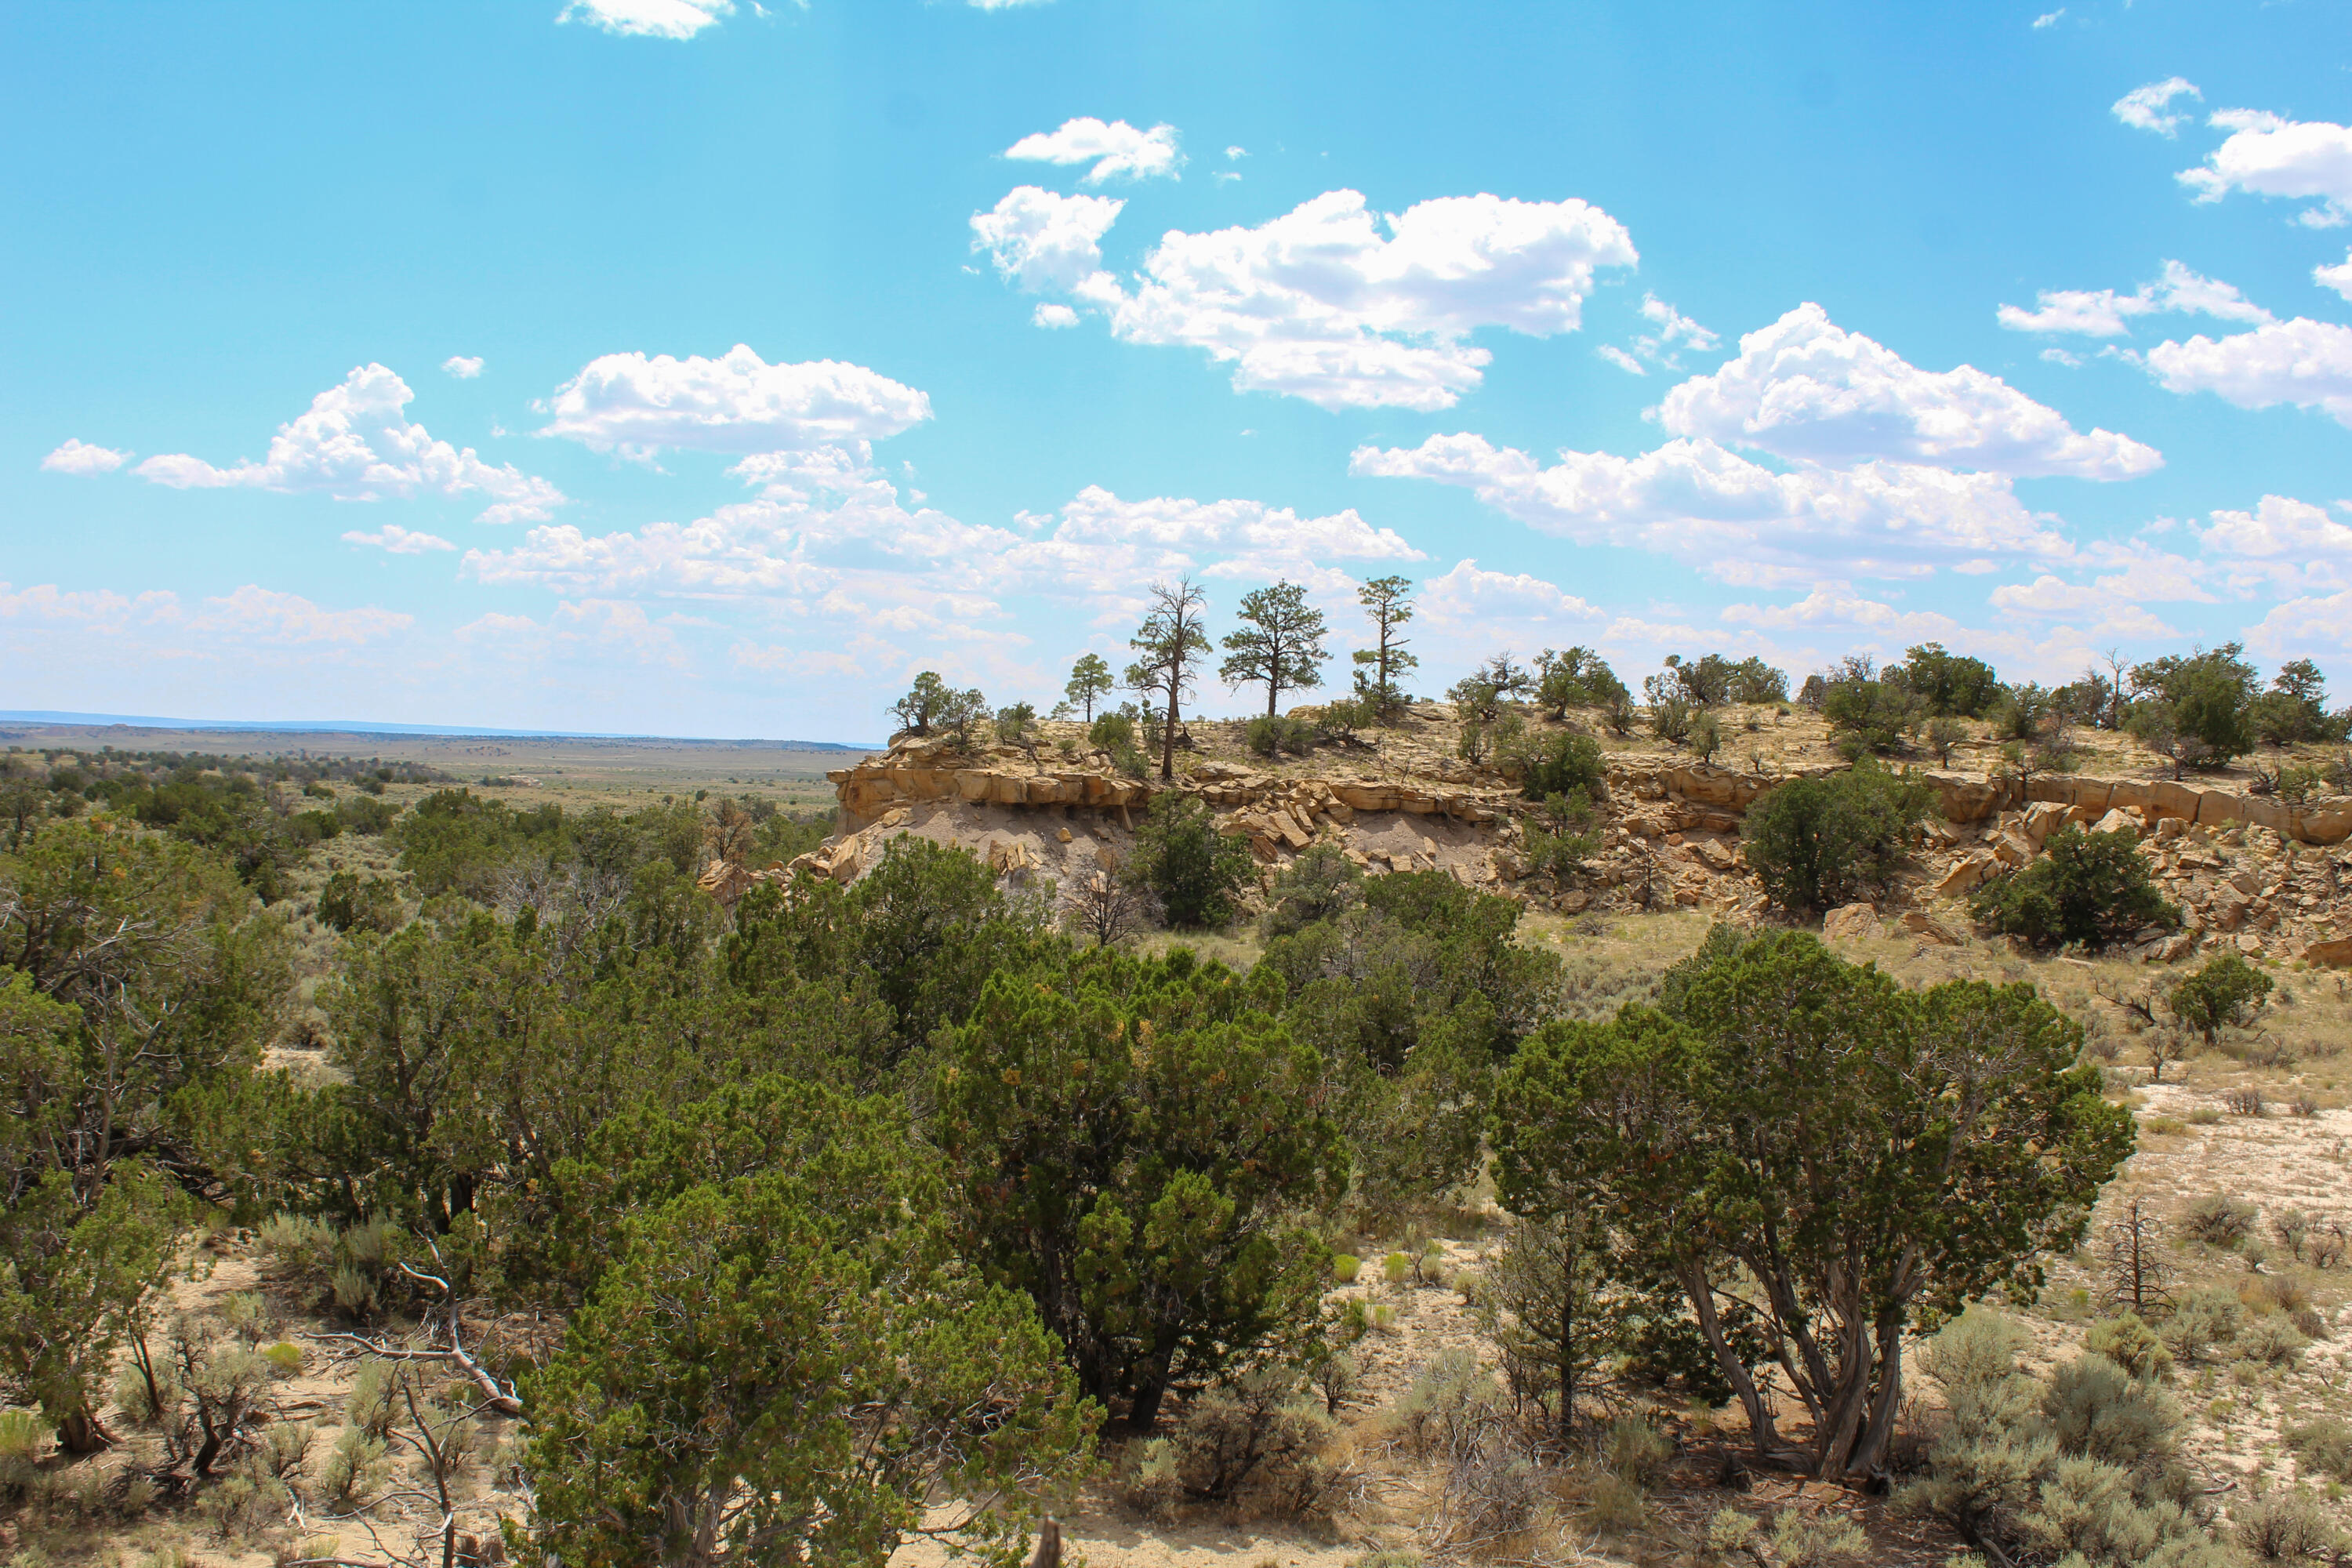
x,y
2240,868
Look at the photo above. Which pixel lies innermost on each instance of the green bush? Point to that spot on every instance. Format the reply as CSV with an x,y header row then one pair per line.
x,y
1093,1118
1115,734
1190,865
1345,1266
1272,736
1322,884
2224,991
1816,843
350,902
1562,765
2092,888
1872,713
720,1382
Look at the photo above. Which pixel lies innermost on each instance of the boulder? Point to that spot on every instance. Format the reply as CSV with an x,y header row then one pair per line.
x,y
2118,820
1852,923
1934,929
2043,818
1965,874
2012,849
2334,950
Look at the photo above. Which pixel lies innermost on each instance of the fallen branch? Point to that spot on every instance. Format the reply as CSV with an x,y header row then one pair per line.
x,y
498,1396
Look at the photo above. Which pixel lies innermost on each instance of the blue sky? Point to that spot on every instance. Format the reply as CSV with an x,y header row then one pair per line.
x,y
689,367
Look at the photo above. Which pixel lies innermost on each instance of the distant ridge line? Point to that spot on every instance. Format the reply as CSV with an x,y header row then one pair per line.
x,y
420,731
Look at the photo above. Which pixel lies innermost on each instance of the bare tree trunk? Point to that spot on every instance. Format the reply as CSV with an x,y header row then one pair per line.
x,y
1870,1454
1049,1544
1761,1432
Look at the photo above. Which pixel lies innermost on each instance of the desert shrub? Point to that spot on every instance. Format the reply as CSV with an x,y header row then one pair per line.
x,y
2093,889
1636,1451
1797,1539
1451,1400
2324,1444
1345,1266
2202,1320
1341,717
1943,734
2285,1526
1256,1442
355,1470
2223,991
1015,721
1489,1496
1819,842
2132,1345
2087,1463
2271,1339
2218,1219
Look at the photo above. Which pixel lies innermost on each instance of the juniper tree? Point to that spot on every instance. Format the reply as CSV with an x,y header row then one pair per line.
x,y
1873,1157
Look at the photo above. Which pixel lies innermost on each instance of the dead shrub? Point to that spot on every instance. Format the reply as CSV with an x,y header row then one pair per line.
x,y
2219,1220
2245,1101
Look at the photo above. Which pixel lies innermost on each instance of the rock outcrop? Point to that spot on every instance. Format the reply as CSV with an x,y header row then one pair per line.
x,y
2248,870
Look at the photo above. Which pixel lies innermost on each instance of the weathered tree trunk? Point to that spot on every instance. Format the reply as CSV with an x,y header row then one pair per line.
x,y
1870,1454
80,1433
1765,1436
1049,1544
1567,1345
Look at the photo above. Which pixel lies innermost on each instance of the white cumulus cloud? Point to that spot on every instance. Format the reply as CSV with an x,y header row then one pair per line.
x,y
1807,389
264,615
736,403
1472,598
1732,519
1118,151
2147,107
465,367
2048,18
2272,156
356,444
647,18
1341,307
1052,316
1041,240
2103,313
394,540
2302,362
78,457
2338,277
